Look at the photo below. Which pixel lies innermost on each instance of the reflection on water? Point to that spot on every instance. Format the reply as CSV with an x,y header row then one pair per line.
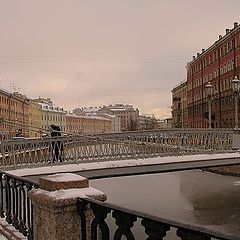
x,y
197,197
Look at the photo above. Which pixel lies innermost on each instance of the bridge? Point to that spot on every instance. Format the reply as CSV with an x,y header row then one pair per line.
x,y
130,145
132,153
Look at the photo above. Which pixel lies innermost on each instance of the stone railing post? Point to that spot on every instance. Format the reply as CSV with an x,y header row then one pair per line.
x,y
55,215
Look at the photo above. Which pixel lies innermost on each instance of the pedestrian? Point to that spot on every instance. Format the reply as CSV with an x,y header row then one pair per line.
x,y
56,144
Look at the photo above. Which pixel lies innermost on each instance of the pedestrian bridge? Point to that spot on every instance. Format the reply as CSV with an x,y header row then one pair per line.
x,y
108,155
129,145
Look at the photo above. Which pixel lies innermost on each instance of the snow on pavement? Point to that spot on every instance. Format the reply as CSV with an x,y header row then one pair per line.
x,y
120,163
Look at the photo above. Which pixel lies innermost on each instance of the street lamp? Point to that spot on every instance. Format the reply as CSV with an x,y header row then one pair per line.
x,y
236,90
209,92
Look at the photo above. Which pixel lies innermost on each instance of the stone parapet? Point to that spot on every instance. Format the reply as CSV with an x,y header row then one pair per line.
x,y
55,215
63,181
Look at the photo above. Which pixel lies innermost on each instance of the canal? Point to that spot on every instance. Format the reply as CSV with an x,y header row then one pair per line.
x,y
196,197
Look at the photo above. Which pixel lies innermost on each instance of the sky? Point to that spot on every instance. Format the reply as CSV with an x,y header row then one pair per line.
x,y
84,53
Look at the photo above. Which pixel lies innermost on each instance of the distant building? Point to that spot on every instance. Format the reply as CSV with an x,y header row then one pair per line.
x,y
115,120
147,122
51,114
165,123
86,111
80,124
218,65
129,116
34,119
96,111
179,106
13,109
74,123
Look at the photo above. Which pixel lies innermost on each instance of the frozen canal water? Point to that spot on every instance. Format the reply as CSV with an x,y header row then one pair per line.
x,y
197,197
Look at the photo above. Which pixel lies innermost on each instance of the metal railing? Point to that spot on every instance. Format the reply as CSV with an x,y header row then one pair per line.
x,y
156,228
215,139
15,205
113,146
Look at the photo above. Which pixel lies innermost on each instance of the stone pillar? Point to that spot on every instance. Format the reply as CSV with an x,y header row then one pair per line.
x,y
55,214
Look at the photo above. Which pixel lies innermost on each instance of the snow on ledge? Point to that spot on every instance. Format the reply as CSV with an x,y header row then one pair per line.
x,y
64,177
73,193
120,163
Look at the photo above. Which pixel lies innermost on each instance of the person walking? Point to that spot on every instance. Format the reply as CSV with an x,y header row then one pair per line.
x,y
56,144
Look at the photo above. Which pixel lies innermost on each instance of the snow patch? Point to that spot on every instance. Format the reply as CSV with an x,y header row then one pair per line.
x,y
72,193
120,163
65,177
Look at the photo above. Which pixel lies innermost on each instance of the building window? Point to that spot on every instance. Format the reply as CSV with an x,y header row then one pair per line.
x,y
225,68
229,47
221,70
229,66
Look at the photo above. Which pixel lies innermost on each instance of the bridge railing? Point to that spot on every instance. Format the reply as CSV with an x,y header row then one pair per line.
x,y
156,228
215,139
15,205
111,147
16,208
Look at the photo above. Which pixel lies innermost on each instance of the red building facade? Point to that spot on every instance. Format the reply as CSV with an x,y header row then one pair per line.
x,y
219,64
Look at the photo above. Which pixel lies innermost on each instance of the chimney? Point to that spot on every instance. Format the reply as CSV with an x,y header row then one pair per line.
x,y
193,57
203,50
227,31
235,24
220,36
198,54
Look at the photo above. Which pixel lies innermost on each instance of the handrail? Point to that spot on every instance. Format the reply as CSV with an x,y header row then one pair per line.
x,y
19,178
114,146
15,205
150,222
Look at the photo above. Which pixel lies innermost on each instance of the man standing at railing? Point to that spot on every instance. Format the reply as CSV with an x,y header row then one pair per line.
x,y
57,146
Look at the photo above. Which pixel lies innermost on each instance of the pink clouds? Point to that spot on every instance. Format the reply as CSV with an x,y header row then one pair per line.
x,y
101,52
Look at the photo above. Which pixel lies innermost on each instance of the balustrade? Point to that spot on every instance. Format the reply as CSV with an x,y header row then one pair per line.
x,y
16,208
115,146
15,205
155,228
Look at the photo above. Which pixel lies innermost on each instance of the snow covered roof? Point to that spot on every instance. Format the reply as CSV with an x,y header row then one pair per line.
x,y
86,116
51,108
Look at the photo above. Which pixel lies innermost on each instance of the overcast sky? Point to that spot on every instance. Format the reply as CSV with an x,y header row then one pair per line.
x,y
92,52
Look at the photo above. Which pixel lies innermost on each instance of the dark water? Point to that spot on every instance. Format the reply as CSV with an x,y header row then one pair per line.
x,y
196,197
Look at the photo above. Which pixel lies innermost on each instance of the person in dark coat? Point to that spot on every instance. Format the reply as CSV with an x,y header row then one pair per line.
x,y
57,146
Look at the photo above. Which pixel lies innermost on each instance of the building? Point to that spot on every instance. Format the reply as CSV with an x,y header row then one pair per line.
x,y
96,111
218,64
51,114
86,111
115,121
34,119
165,123
80,124
96,124
148,122
179,106
74,123
129,116
14,110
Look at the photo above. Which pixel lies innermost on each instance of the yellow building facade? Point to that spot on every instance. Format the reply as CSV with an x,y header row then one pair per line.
x,y
34,119
14,114
77,124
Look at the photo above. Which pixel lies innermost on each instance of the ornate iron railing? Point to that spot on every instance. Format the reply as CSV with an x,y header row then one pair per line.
x,y
15,205
140,144
215,139
96,227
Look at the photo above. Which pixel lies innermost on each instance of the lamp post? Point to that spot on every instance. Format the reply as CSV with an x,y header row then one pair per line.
x,y
209,92
236,90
